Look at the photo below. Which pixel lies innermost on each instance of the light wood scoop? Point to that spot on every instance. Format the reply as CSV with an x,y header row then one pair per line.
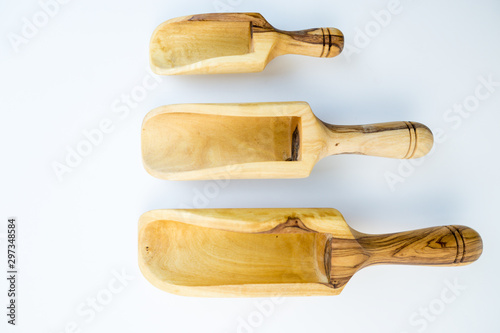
x,y
262,140
280,252
232,43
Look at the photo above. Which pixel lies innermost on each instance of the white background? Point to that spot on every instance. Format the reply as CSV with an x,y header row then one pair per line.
x,y
76,234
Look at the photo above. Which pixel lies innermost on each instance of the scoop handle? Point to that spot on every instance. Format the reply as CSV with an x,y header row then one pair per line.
x,y
401,139
320,42
452,245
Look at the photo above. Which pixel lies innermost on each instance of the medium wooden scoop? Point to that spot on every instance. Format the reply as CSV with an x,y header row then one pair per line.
x,y
232,43
280,252
262,140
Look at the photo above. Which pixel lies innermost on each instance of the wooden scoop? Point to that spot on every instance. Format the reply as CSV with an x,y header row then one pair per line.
x,y
232,43
280,252
262,140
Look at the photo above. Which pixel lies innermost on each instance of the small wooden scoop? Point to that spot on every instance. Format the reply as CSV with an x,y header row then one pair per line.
x,y
280,252
262,140
232,43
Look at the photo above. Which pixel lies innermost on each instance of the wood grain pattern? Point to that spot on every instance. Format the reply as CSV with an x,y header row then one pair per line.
x,y
401,139
438,246
281,252
262,140
232,43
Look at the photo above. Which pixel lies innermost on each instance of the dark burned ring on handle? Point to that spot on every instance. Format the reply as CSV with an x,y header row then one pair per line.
x,y
413,140
333,41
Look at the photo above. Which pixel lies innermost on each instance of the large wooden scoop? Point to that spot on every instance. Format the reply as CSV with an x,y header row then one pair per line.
x,y
280,252
262,140
232,43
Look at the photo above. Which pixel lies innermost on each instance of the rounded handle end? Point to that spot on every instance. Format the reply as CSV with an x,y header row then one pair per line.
x,y
333,42
469,244
421,140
